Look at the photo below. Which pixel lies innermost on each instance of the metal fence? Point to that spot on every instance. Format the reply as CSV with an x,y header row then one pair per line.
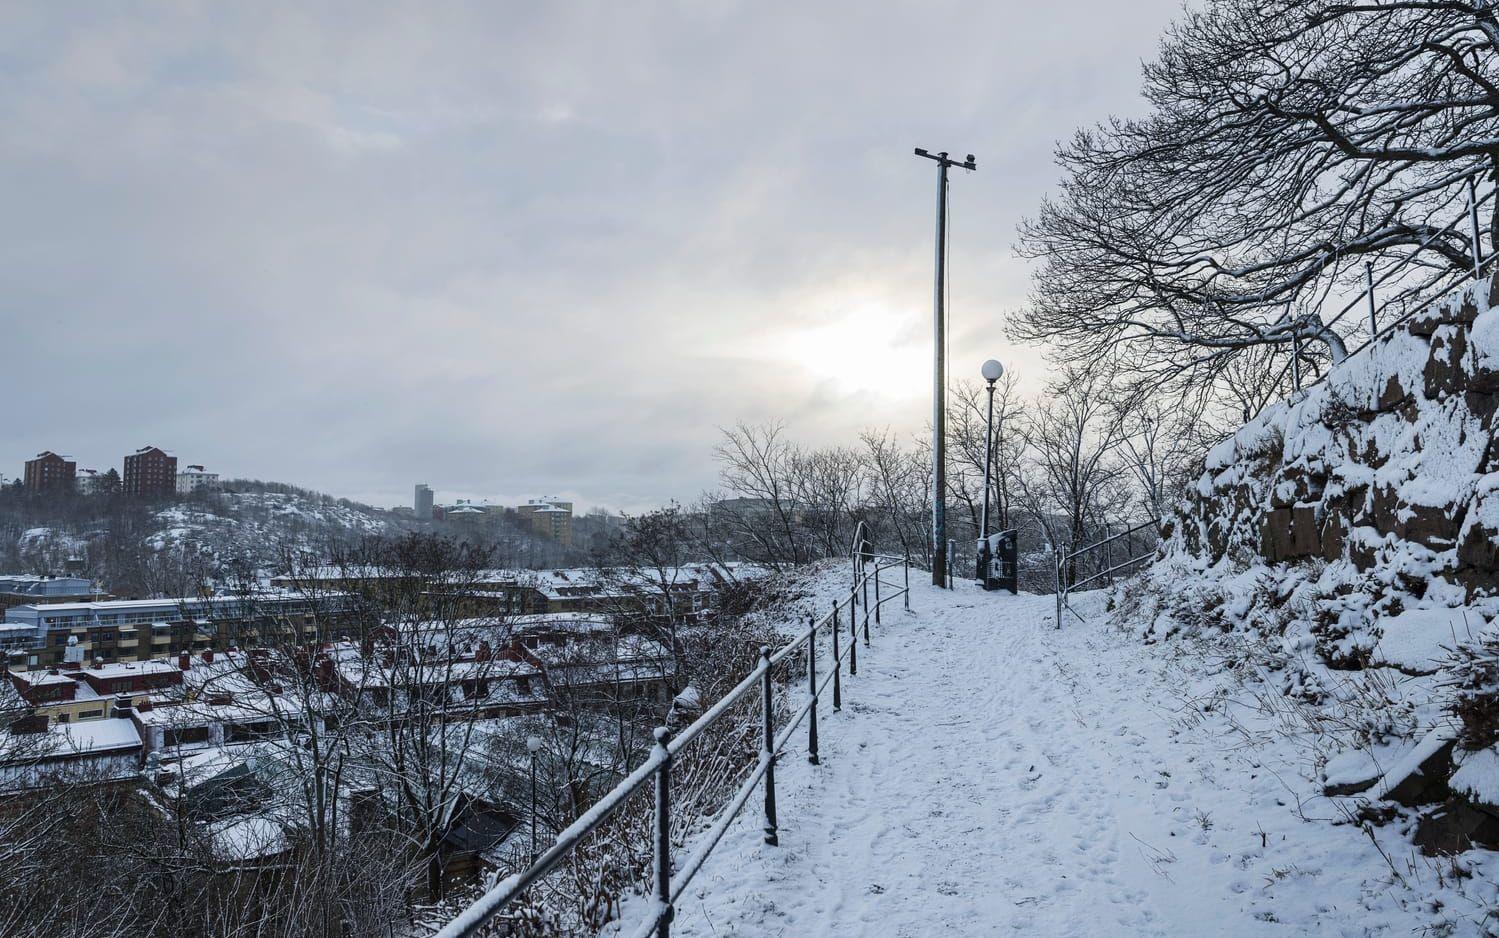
x,y
1368,298
668,878
1100,563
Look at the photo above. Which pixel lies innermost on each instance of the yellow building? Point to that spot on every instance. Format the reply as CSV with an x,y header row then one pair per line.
x,y
550,518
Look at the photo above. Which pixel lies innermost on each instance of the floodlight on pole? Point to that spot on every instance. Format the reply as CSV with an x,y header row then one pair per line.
x,y
939,369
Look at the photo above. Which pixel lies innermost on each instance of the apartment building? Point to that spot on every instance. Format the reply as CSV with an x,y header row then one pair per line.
x,y
19,589
91,482
550,518
196,479
50,472
141,629
150,470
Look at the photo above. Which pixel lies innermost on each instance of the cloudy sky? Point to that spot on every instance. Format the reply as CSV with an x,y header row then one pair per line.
x,y
514,249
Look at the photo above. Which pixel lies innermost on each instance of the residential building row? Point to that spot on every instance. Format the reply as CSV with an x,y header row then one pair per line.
x,y
148,471
689,591
116,718
550,518
37,635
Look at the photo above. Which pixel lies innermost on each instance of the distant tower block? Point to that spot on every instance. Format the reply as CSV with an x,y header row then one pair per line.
x,y
423,504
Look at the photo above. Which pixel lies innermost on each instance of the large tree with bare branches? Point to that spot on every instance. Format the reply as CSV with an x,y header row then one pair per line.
x,y
1288,141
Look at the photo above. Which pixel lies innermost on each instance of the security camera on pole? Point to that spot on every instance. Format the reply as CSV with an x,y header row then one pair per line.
x,y
939,371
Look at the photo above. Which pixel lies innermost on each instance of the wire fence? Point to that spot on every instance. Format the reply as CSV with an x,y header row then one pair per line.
x,y
790,685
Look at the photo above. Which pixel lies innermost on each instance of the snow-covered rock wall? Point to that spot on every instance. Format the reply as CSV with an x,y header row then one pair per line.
x,y
1347,541
1384,476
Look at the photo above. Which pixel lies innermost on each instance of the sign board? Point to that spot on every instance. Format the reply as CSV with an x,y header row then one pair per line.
x,y
998,556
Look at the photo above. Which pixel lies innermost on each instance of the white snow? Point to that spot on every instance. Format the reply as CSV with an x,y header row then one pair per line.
x,y
1422,639
1477,775
990,775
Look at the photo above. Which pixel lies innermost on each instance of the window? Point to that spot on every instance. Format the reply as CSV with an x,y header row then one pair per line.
x,y
242,732
90,714
184,736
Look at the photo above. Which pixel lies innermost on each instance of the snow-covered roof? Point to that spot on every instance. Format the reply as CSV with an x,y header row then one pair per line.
x,y
92,736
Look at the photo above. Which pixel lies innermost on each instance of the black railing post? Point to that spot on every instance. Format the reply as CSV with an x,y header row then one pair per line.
x,y
812,689
876,594
853,631
1057,569
866,608
905,572
837,663
662,884
767,751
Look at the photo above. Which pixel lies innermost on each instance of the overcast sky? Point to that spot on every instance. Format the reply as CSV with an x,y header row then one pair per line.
x,y
514,249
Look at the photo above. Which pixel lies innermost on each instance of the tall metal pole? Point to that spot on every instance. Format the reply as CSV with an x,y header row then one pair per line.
x,y
939,372
1296,358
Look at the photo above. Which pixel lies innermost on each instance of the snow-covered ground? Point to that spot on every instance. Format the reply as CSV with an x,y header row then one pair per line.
x,y
991,775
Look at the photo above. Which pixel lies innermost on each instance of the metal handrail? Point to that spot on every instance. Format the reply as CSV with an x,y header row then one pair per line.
x,y
657,765
1141,526
1065,587
1365,297
1073,587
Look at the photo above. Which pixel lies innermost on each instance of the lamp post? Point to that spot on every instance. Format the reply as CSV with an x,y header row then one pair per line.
x,y
992,372
533,746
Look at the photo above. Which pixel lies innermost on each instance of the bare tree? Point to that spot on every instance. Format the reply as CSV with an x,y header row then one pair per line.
x,y
898,494
758,464
1288,141
1076,478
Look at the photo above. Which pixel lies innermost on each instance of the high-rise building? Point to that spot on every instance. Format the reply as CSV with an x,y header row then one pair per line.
x,y
150,470
49,471
423,501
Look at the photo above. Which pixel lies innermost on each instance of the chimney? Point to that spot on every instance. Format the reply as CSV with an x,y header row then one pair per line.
x,y
325,673
185,661
484,653
208,656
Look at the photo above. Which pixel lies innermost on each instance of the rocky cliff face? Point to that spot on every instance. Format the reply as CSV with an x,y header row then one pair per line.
x,y
1349,539
1388,468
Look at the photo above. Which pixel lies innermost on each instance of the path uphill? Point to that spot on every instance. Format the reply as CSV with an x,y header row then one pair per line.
x,y
992,775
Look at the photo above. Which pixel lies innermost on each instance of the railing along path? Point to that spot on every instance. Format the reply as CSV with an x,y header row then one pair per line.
x,y
668,880
1067,564
1367,297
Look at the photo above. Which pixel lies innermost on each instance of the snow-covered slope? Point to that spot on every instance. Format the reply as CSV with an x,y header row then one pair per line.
x,y
1382,481
991,775
253,524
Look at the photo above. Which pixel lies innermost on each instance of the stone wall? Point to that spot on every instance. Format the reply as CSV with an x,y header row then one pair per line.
x,y
1390,464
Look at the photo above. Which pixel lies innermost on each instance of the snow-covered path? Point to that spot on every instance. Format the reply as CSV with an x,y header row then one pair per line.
x,y
992,776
